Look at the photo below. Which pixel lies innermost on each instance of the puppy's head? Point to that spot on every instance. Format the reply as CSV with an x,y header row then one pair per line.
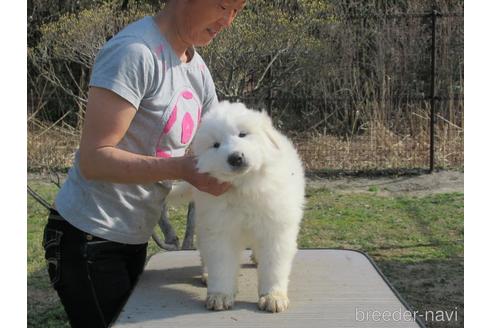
x,y
233,141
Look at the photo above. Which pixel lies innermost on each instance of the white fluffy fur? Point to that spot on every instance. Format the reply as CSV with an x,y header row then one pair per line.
x,y
262,210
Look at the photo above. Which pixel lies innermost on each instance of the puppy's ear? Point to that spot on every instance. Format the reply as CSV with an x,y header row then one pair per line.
x,y
271,133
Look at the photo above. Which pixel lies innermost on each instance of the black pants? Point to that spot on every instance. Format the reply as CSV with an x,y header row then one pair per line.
x,y
92,276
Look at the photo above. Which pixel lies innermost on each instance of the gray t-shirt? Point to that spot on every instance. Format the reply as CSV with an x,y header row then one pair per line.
x,y
139,65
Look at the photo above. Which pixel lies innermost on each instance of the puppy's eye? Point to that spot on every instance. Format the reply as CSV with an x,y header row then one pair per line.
x,y
216,145
242,134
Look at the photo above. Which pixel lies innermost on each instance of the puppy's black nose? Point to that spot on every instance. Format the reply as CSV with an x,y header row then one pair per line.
x,y
236,160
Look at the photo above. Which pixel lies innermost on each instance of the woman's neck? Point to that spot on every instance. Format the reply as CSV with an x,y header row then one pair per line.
x,y
169,27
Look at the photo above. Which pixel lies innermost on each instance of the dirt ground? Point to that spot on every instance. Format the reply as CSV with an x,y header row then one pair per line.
x,y
412,185
417,185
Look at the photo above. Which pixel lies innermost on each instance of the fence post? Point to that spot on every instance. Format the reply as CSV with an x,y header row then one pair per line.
x,y
270,91
433,92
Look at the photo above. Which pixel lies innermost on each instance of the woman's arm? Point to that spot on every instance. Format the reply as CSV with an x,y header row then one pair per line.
x,y
107,119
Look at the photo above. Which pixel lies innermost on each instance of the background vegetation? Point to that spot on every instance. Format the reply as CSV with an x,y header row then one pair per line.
x,y
348,80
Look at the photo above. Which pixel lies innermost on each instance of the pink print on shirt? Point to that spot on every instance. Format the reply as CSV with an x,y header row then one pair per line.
x,y
180,126
159,50
187,95
187,129
163,153
171,121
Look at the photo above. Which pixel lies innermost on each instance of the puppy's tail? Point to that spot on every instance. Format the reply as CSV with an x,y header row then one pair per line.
x,y
180,194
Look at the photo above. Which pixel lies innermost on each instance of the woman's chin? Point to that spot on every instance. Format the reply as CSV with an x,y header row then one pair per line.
x,y
203,43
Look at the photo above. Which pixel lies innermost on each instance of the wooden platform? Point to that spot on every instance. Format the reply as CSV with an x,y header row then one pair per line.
x,y
328,288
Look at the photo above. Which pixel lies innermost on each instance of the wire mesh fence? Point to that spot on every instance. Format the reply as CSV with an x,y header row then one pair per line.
x,y
388,94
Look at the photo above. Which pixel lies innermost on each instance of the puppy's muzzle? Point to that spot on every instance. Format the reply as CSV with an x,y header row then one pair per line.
x,y
236,160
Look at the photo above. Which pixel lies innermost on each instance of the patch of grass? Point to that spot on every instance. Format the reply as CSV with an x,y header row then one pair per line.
x,y
49,317
392,226
36,219
416,241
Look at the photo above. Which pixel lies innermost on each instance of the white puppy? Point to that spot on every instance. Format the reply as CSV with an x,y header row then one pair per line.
x,y
262,210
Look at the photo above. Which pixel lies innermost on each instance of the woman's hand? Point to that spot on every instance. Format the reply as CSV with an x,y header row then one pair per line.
x,y
202,181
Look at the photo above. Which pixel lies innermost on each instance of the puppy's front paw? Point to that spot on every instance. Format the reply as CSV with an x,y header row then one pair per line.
x,y
219,302
273,302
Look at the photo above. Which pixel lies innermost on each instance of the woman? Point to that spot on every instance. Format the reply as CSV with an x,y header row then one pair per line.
x,y
147,92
